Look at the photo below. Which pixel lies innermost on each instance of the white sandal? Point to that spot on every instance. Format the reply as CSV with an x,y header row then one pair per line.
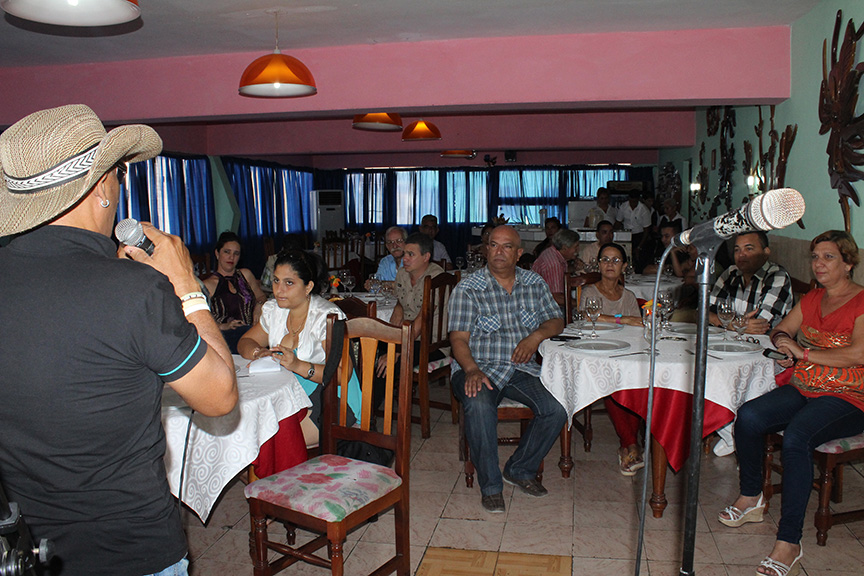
x,y
737,517
781,569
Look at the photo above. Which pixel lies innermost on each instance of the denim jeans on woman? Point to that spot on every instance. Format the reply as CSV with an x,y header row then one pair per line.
x,y
481,428
807,423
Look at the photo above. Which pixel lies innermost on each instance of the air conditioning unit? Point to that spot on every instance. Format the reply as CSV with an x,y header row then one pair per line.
x,y
330,209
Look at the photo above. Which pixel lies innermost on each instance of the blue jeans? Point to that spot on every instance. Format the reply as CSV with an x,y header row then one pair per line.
x,y
481,428
178,569
807,423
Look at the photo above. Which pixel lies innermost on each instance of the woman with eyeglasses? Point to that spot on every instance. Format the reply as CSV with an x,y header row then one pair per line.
x,y
619,307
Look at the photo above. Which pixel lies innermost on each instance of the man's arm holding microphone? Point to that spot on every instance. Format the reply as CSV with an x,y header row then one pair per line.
x,y
211,386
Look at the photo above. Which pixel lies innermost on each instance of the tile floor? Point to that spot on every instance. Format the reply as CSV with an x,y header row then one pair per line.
x,y
591,517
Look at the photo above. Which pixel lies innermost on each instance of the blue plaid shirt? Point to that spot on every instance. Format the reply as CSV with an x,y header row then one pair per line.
x,y
769,292
497,321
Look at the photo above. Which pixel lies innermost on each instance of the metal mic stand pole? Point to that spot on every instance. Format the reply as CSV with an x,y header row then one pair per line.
x,y
704,265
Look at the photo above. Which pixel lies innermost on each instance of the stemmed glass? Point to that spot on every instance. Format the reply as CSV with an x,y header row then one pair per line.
x,y
739,324
459,262
667,305
374,285
592,308
349,283
725,313
578,320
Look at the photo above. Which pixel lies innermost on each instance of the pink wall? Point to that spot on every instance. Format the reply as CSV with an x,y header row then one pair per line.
x,y
449,82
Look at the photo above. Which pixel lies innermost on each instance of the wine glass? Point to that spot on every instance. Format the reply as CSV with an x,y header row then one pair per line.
x,y
349,283
459,261
578,322
739,324
592,308
647,326
667,305
725,313
374,285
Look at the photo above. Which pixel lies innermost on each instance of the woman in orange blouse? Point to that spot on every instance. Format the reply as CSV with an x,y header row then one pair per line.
x,y
823,401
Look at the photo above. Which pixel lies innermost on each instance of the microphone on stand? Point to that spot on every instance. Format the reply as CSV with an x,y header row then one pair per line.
x,y
130,232
769,211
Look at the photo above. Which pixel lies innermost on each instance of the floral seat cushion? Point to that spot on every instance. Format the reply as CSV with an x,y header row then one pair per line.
x,y
328,487
841,445
435,365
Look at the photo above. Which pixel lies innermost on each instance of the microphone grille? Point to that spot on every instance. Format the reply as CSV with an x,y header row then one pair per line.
x,y
129,232
776,208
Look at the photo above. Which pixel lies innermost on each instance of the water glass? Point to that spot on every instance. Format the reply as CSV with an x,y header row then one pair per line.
x,y
739,324
593,306
725,313
459,262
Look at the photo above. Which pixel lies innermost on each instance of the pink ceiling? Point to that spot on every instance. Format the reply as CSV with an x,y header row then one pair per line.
x,y
611,91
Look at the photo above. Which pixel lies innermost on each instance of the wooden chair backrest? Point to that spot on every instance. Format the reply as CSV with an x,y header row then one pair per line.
x,y
436,297
359,351
201,264
335,254
573,292
353,307
800,287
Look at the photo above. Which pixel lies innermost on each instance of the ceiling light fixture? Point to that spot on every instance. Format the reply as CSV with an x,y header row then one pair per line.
x,y
466,154
421,130
74,12
377,122
277,75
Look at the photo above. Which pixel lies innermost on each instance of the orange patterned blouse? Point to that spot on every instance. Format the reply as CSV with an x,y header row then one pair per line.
x,y
831,331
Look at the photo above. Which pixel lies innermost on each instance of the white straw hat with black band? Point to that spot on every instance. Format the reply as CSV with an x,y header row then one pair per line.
x,y
51,159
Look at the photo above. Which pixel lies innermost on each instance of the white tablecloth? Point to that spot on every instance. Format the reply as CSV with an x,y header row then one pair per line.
x,y
577,379
382,311
220,448
643,285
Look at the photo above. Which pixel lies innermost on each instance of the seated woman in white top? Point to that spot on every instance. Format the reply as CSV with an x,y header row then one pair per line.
x,y
293,327
620,307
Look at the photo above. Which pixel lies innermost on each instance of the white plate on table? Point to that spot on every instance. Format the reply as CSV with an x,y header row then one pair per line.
x,y
598,346
733,348
690,330
586,327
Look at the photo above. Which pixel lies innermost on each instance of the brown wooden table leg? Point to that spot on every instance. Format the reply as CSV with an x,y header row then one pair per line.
x,y
659,463
565,463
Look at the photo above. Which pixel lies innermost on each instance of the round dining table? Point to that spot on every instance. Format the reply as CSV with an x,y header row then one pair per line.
x,y
642,285
581,371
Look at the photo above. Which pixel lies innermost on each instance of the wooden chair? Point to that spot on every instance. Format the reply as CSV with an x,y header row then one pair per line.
x,y
434,336
202,265
800,287
829,458
353,307
332,494
335,254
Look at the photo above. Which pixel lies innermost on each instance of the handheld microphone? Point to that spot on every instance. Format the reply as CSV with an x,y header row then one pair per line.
x,y
769,211
130,232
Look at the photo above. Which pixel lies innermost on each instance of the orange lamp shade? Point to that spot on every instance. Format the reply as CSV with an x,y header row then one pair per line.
x,y
277,75
378,122
467,154
421,130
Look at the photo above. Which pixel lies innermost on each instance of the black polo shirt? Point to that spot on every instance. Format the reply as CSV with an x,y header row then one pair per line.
x,y
87,342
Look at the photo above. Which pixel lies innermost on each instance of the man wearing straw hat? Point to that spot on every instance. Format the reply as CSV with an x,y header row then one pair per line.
x,y
88,341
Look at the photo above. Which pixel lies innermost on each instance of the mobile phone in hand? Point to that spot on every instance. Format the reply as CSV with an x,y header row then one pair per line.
x,y
774,354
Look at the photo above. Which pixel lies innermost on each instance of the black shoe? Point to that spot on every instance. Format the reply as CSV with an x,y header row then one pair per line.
x,y
493,503
531,487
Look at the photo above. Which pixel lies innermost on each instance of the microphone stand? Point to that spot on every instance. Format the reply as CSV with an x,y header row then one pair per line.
x,y
704,265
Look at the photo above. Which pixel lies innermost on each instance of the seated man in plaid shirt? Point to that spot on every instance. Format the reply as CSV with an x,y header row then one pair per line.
x,y
759,288
498,317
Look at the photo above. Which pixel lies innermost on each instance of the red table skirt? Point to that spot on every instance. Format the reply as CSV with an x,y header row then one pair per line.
x,y
673,411
284,450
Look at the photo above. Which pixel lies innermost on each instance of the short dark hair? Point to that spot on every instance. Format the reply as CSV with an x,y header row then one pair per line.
x,y
308,266
422,241
617,247
674,224
604,223
553,219
763,237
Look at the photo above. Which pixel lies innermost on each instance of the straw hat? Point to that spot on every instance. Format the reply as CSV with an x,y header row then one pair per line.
x,y
51,159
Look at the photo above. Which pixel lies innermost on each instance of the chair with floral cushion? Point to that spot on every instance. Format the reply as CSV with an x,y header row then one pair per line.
x,y
331,494
829,458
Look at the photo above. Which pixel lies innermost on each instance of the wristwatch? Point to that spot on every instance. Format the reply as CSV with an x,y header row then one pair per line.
x,y
311,372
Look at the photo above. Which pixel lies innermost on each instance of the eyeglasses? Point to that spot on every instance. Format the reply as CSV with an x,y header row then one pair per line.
x,y
121,172
395,242
607,260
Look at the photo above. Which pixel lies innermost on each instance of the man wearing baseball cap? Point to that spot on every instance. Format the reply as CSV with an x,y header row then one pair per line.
x,y
88,341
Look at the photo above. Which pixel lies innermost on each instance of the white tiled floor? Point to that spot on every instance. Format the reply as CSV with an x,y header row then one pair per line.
x,y
591,516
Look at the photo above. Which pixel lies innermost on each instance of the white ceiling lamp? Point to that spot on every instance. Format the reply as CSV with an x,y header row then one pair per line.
x,y
277,75
74,12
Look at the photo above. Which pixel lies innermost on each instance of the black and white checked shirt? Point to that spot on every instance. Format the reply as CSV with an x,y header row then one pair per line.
x,y
769,292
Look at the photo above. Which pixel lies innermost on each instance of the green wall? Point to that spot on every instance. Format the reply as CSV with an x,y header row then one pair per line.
x,y
807,169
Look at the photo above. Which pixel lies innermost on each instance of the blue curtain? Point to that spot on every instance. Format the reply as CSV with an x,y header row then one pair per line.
x,y
583,184
522,193
175,194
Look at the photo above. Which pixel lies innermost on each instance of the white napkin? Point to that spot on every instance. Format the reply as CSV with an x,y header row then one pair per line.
x,y
264,365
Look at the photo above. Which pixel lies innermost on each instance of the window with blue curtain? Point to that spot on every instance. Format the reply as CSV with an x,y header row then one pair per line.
x,y
175,194
364,197
522,193
416,196
583,184
467,196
